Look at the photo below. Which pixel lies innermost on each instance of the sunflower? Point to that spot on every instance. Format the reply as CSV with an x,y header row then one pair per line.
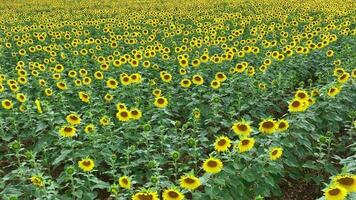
x,y
98,75
166,77
343,78
215,84
83,96
73,119
7,104
172,194
301,95
21,97
220,76
275,153
333,91
242,128
125,182
157,92
212,165
161,102
121,106
245,144
268,126
123,115
135,113
297,106
347,181
111,83
61,85
125,80
37,181
105,120
89,128
189,182
222,144
282,125
185,83
338,71
108,97
86,164
67,131
335,192
197,79
145,196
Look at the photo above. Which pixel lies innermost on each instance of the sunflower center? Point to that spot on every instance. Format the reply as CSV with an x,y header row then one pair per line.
x,y
173,194
124,114
334,192
160,101
112,82
134,77
86,163
296,104
332,90
189,180
74,118
125,181
346,181
274,152
222,142
145,197
212,163
7,103
197,78
242,127
68,129
267,125
245,142
134,112
166,77
282,125
301,95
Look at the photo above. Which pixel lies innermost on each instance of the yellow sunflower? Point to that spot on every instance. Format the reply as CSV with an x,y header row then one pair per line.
x,y
197,79
242,128
111,83
268,126
215,84
301,95
189,182
335,192
7,104
347,181
220,76
123,115
83,96
222,144
37,181
333,91
89,128
121,106
67,131
282,125
135,113
161,102
212,165
86,164
172,194
73,119
297,106
145,196
245,144
125,182
275,153
185,83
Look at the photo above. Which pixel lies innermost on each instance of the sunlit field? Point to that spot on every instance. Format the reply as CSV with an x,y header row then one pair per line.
x,y
173,100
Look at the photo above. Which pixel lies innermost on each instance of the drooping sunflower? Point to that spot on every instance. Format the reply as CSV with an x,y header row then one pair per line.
x,y
335,192
212,165
172,194
197,79
282,125
275,153
222,144
343,78
84,97
245,144
161,102
268,126
125,182
7,104
123,115
67,131
242,128
86,164
347,181
37,181
145,196
189,182
73,119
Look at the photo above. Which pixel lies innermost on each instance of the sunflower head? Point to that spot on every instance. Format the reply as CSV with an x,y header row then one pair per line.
x,y
125,182
212,165
268,126
335,192
245,144
86,164
242,128
346,181
172,194
222,144
189,182
275,153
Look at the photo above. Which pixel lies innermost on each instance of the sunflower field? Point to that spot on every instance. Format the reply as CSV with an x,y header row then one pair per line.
x,y
173,100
